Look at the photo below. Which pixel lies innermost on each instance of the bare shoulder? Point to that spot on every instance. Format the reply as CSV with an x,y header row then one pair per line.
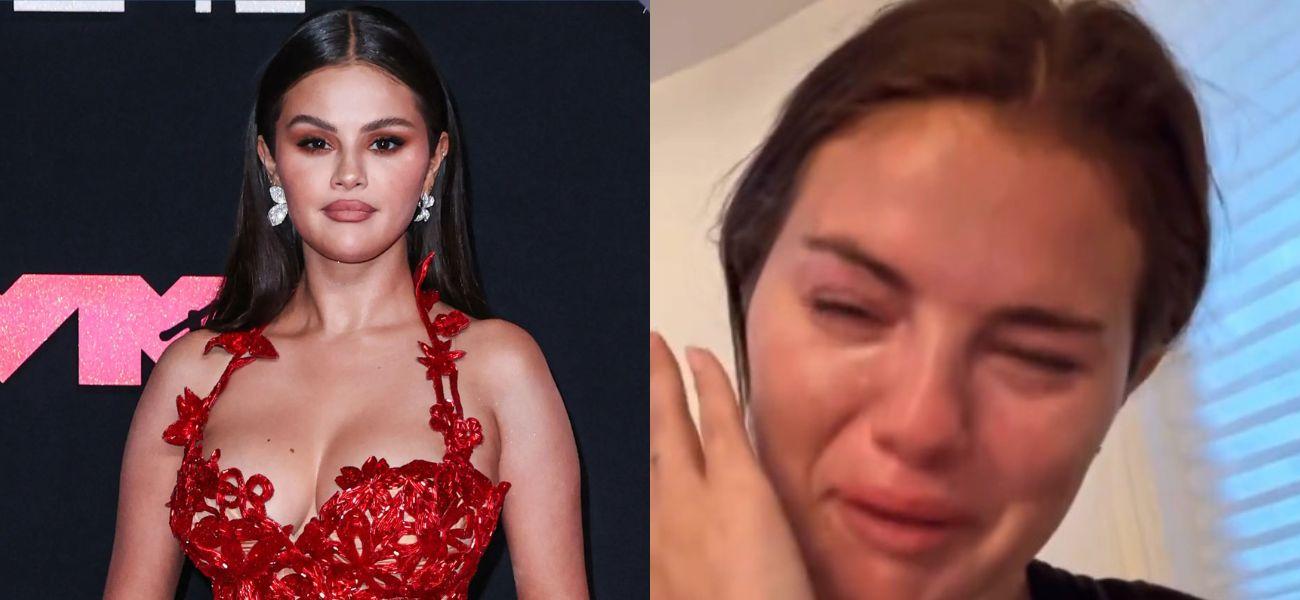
x,y
502,347
184,358
188,346
509,359
182,364
501,343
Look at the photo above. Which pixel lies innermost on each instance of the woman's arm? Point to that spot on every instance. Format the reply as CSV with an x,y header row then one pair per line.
x,y
146,559
542,514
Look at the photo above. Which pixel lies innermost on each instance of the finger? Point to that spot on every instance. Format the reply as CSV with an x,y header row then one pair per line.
x,y
674,442
721,425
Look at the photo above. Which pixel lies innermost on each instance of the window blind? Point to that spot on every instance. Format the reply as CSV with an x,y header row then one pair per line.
x,y
1243,59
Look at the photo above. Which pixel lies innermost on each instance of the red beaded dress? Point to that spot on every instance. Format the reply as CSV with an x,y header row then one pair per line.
x,y
354,547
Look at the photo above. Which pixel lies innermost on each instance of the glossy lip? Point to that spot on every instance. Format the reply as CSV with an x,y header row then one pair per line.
x,y
348,210
901,524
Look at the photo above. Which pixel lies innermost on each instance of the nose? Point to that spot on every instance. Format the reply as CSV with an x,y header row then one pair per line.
x,y
348,173
923,416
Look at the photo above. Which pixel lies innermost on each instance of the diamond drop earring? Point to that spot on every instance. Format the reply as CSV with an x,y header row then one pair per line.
x,y
278,212
426,202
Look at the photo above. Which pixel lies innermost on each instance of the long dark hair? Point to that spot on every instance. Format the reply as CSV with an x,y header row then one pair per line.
x,y
1089,72
265,262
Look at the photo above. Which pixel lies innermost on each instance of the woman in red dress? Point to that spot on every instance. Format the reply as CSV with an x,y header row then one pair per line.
x,y
349,423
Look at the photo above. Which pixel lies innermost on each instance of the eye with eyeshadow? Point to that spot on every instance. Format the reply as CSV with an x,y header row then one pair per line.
x,y
308,144
393,144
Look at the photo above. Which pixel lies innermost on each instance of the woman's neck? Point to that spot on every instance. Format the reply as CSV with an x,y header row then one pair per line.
x,y
336,298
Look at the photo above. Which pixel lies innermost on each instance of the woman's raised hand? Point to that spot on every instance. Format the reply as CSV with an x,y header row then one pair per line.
x,y
716,527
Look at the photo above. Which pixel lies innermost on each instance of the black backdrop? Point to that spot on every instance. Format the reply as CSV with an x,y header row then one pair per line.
x,y
120,154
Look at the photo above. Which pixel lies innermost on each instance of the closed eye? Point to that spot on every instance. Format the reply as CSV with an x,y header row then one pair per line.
x,y
1046,361
835,308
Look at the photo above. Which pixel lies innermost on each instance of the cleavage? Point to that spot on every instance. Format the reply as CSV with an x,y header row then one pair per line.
x,y
300,437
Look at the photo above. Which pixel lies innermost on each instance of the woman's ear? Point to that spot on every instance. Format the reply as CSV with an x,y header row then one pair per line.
x,y
436,160
264,153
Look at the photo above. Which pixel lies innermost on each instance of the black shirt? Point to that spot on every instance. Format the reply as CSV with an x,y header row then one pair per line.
x,y
1050,583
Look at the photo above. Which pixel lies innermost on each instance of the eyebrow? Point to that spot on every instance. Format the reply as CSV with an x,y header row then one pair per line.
x,y
368,127
1043,318
1027,315
856,256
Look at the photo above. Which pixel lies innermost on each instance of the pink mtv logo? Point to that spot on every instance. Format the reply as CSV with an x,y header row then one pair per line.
x,y
118,316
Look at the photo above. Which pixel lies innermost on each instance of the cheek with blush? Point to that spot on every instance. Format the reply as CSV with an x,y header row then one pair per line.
x,y
804,377
801,394
1038,458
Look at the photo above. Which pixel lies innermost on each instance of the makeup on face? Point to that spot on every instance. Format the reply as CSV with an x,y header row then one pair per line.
x,y
348,210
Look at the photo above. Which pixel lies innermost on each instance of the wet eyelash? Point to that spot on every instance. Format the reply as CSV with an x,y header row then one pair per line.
x,y
842,309
1048,362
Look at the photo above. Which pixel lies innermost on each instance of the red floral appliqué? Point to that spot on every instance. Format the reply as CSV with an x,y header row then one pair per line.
x,y
242,342
439,358
413,531
193,412
449,324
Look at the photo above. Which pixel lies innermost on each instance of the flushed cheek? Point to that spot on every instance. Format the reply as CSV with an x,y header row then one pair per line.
x,y
802,381
800,399
1063,432
787,416
403,176
296,166
306,185
1033,489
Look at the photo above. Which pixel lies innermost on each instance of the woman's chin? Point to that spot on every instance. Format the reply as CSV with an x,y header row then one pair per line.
x,y
888,579
852,568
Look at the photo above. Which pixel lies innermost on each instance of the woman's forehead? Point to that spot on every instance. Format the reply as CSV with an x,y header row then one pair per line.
x,y
351,94
941,192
